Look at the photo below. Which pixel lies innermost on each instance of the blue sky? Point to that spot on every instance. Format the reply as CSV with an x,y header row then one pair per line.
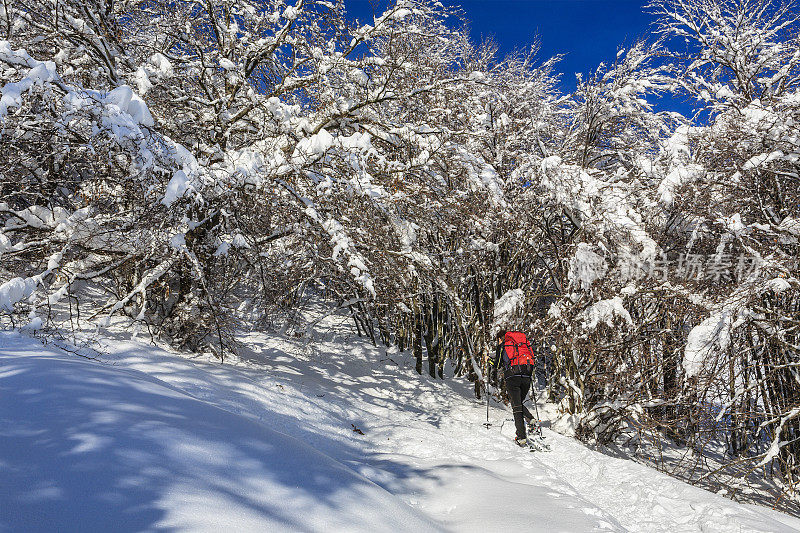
x,y
587,32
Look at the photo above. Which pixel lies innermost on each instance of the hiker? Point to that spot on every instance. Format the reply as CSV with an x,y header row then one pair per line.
x,y
515,352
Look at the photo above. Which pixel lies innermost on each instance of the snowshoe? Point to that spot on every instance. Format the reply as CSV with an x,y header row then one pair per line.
x,y
537,444
536,440
533,443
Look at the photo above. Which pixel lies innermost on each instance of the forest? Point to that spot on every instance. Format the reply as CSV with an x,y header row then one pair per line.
x,y
198,168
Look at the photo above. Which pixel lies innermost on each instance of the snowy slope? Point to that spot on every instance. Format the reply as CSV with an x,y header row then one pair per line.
x,y
91,447
147,440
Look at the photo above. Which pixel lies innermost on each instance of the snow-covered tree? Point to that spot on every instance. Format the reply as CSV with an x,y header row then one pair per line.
x,y
199,167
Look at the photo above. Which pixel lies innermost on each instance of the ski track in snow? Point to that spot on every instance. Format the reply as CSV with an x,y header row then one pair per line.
x,y
148,440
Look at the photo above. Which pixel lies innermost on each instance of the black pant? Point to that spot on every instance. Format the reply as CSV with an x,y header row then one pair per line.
x,y
517,388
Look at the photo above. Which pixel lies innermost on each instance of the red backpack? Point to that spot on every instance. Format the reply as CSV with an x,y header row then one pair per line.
x,y
517,355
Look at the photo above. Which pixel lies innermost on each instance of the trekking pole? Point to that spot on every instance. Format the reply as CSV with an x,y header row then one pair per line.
x,y
536,408
487,424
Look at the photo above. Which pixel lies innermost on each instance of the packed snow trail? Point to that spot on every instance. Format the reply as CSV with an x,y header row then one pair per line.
x,y
148,440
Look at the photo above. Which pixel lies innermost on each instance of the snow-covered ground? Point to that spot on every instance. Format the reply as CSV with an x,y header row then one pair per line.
x,y
143,439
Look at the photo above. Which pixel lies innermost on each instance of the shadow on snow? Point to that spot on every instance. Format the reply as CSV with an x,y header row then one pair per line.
x,y
84,446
